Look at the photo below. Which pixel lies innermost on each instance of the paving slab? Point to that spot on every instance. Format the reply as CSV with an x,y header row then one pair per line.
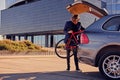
x,y
44,67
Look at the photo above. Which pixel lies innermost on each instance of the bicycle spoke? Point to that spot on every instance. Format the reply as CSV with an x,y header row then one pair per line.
x,y
60,49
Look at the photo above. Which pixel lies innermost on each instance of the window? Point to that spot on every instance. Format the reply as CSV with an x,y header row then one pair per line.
x,y
113,28
22,2
118,6
114,1
28,1
103,4
118,1
112,24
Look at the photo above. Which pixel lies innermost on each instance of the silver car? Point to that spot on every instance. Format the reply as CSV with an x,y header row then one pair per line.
x,y
101,46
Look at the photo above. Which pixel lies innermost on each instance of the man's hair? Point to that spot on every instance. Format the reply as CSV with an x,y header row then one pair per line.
x,y
75,16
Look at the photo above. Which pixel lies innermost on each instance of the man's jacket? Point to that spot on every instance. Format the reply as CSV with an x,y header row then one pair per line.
x,y
71,26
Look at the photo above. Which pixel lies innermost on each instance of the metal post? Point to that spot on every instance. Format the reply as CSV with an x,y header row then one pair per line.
x,y
46,40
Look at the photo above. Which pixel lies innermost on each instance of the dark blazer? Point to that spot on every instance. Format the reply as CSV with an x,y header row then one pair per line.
x,y
69,25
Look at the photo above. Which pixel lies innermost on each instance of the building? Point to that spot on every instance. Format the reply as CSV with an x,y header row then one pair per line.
x,y
40,21
2,6
113,6
87,18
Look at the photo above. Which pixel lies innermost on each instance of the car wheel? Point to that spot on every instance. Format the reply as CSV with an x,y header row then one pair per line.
x,y
109,65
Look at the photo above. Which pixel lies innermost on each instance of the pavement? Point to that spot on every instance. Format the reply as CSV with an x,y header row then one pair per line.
x,y
44,67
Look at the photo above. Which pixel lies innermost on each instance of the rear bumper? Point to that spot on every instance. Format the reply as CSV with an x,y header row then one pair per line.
x,y
87,55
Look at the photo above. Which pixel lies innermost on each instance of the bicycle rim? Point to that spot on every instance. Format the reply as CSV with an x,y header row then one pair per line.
x,y
60,49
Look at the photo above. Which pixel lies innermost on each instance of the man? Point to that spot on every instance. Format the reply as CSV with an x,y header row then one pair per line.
x,y
72,26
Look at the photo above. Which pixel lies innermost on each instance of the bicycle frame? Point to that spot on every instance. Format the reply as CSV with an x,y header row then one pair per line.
x,y
73,37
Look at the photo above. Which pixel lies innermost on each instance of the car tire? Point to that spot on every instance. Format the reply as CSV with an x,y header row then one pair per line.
x,y
109,65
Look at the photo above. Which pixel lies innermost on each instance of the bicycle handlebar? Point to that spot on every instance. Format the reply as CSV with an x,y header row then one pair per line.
x,y
78,32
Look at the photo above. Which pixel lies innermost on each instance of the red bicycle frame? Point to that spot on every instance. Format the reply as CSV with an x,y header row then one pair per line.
x,y
75,39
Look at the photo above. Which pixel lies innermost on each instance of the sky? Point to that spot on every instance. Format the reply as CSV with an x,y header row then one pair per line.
x,y
2,4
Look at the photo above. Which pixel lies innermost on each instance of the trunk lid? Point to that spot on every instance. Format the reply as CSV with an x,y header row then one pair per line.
x,y
80,7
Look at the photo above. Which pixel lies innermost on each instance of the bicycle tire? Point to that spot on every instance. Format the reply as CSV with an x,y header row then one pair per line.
x,y
60,49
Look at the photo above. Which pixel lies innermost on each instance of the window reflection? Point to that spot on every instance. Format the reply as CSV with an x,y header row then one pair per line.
x,y
113,6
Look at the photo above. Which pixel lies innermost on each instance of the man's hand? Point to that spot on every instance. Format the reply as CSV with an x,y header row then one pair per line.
x,y
70,31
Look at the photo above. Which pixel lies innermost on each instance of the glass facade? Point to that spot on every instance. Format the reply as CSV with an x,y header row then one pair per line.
x,y
34,15
8,3
113,6
40,39
12,3
58,21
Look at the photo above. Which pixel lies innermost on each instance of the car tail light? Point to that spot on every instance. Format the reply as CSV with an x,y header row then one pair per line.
x,y
84,39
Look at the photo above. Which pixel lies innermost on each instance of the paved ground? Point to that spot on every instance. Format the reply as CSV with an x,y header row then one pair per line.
x,y
43,68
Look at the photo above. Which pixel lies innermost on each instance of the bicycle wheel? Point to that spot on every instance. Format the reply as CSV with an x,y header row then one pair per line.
x,y
60,49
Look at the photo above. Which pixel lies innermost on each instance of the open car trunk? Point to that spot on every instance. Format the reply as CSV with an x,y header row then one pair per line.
x,y
84,6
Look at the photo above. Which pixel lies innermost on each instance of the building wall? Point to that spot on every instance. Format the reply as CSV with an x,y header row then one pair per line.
x,y
2,6
43,15
0,26
9,3
38,17
113,6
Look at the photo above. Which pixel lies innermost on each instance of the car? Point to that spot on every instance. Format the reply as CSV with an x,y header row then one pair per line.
x,y
103,48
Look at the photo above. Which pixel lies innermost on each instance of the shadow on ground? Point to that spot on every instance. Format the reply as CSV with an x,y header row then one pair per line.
x,y
58,75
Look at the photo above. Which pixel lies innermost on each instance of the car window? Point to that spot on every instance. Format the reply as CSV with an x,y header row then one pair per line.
x,y
112,24
113,28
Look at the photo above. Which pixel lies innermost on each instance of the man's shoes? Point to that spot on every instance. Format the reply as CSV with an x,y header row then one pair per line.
x,y
67,69
78,70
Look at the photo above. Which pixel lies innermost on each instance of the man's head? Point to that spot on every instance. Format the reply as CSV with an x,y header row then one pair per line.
x,y
75,19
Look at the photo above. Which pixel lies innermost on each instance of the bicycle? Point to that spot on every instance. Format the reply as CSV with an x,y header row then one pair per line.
x,y
60,47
